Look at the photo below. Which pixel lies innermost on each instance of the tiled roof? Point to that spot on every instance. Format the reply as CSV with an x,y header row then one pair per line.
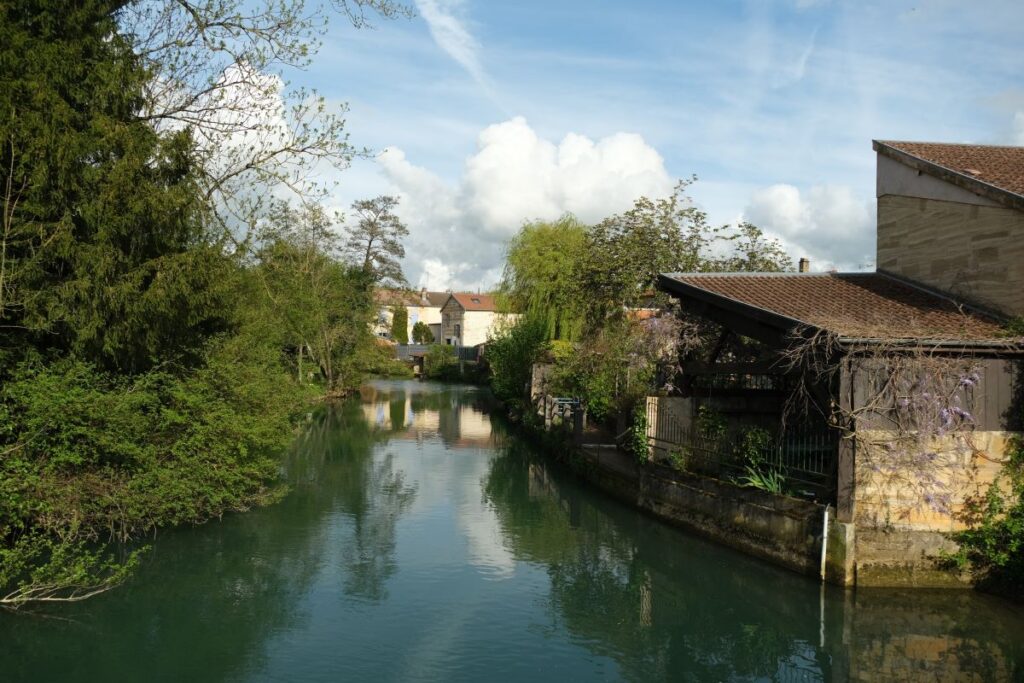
x,y
1001,168
475,302
392,297
435,298
853,305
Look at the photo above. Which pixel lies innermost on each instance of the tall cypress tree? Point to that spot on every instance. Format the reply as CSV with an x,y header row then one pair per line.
x,y
105,253
400,324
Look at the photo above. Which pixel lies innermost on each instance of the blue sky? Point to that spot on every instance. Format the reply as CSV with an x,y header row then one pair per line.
x,y
486,114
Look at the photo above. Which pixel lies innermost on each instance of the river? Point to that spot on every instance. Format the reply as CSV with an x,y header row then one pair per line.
x,y
424,541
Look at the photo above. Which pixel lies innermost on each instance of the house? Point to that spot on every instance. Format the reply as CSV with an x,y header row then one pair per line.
x,y
469,319
910,368
952,217
423,306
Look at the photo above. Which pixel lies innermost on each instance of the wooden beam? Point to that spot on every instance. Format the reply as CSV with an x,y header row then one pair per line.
x,y
846,488
761,367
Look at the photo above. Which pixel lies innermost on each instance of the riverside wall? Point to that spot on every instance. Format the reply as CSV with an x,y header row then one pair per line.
x,y
783,530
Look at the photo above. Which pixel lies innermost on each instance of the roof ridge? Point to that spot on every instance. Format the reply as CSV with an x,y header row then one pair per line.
x,y
947,144
742,273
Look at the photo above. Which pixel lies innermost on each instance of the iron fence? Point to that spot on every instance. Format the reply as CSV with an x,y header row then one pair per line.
x,y
408,351
801,457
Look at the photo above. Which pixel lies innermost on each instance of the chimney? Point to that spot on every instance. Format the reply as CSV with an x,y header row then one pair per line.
x,y
805,266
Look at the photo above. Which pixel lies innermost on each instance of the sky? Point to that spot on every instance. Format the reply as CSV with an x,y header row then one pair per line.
x,y
483,114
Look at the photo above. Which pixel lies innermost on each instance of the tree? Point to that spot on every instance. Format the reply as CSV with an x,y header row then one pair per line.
x,y
421,333
752,252
105,250
542,277
143,383
375,241
400,324
626,252
322,302
215,68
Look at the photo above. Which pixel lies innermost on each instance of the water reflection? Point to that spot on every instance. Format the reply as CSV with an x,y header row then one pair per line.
x,y
668,606
423,541
459,416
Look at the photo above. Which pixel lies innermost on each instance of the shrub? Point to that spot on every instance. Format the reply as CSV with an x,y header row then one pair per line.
x,y
421,333
440,362
993,545
511,356
380,361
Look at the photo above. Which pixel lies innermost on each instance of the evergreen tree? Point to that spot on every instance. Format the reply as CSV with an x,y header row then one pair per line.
x,y
375,241
421,333
104,247
400,324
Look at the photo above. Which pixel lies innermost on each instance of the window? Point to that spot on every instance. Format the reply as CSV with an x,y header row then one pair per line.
x,y
458,332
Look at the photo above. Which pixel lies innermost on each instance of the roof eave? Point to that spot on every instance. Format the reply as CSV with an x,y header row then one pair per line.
x,y
779,327
961,180
1009,347
787,327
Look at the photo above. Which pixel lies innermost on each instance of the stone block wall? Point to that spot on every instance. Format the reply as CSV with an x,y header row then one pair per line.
x,y
974,252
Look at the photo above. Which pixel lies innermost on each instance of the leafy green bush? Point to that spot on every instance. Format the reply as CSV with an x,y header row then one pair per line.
x,y
440,362
94,458
379,360
754,446
710,423
993,545
421,333
638,433
512,354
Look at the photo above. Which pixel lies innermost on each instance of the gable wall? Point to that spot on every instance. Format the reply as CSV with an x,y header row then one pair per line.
x,y
948,238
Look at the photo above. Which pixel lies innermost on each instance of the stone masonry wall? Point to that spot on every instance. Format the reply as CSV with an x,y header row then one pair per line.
x,y
975,252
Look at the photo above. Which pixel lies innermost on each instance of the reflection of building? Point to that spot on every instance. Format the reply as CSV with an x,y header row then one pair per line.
x,y
460,426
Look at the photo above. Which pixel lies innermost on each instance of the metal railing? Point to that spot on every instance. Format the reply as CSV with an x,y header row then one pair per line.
x,y
407,351
804,456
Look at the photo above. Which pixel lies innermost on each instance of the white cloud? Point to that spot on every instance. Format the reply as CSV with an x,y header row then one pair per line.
x,y
452,36
1017,137
458,231
827,223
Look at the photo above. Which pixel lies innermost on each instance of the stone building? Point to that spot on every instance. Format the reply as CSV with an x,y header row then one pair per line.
x,y
952,217
950,277
423,306
469,319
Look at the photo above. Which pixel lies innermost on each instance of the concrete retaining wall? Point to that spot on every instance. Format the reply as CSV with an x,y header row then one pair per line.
x,y
786,531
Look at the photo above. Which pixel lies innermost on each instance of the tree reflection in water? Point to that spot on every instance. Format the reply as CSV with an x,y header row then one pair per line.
x,y
367,488
669,606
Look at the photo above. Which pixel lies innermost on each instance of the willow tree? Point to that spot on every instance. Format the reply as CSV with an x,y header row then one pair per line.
x,y
542,277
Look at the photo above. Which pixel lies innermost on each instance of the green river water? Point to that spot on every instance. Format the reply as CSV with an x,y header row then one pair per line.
x,y
423,541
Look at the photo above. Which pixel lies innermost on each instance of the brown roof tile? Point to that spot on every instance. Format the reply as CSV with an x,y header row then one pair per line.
x,y
475,302
393,297
853,305
1001,167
